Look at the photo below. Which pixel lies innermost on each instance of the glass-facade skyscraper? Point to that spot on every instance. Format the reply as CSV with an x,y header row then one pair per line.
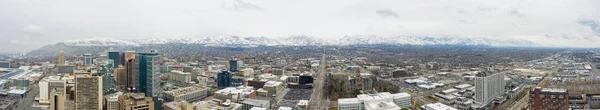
x,y
233,65
224,79
147,72
115,56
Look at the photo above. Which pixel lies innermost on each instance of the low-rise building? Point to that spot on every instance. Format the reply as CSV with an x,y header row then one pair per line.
x,y
437,106
247,104
183,77
274,87
236,93
135,101
178,105
383,100
191,94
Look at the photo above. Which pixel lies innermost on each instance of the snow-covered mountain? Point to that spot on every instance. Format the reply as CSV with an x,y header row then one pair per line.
x,y
304,40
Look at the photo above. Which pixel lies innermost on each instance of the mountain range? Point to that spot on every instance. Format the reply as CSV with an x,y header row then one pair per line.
x,y
94,45
304,40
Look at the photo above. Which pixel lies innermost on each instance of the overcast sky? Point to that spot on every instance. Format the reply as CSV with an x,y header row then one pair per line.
x,y
29,24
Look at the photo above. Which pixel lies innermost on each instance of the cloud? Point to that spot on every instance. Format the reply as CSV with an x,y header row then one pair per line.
x,y
486,8
594,24
239,5
33,31
517,13
14,41
387,13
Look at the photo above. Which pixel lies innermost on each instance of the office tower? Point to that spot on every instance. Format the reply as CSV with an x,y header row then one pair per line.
x,y
61,58
87,59
126,55
131,75
121,76
106,71
57,99
135,101
49,83
147,71
224,79
548,99
488,85
88,92
233,65
115,57
366,81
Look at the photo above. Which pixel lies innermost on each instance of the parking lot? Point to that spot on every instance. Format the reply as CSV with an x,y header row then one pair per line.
x,y
298,94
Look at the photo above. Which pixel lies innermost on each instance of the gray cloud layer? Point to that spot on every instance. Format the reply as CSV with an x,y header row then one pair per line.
x,y
29,24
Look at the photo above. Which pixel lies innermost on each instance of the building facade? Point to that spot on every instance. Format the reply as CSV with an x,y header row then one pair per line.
x,y
135,101
147,73
488,85
57,99
88,59
548,99
224,79
233,65
88,92
115,57
190,94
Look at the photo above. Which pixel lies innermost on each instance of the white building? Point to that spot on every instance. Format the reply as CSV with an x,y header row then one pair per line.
x,y
381,101
236,93
184,77
47,84
350,104
247,71
488,85
437,106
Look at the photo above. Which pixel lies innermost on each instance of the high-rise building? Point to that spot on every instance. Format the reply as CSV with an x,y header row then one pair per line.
x,y
47,84
88,92
57,99
224,79
233,65
147,71
121,77
548,99
135,101
106,71
115,56
61,58
126,55
488,85
131,75
87,59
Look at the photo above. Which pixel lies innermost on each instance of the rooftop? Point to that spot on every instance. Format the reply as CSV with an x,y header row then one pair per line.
x,y
439,106
185,90
255,102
